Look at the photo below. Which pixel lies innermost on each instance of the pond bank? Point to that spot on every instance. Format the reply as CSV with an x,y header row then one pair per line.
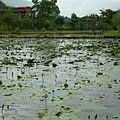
x,y
59,37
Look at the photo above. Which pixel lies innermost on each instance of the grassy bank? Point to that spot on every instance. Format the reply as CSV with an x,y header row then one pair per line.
x,y
61,34
28,32
112,33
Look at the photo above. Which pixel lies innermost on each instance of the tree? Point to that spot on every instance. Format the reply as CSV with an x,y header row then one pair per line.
x,y
106,19
60,22
3,5
47,13
116,20
26,22
74,22
11,19
92,22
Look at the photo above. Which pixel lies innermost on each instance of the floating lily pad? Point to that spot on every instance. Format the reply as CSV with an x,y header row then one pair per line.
x,y
83,74
115,117
40,115
99,108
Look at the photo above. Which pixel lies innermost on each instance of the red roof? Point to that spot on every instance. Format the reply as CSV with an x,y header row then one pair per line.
x,y
23,9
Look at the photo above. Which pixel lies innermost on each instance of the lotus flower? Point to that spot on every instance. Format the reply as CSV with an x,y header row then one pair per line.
x,y
45,96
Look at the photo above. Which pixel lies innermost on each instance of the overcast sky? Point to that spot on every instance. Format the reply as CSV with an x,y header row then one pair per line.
x,y
79,7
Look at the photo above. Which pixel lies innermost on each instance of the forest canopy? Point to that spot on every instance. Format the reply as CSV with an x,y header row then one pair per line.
x,y
47,17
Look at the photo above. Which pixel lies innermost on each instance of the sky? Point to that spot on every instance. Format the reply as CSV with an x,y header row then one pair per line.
x,y
79,7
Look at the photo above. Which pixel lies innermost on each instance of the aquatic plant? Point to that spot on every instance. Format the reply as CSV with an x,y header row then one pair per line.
x,y
55,79
2,111
53,93
95,116
66,84
115,81
12,74
99,73
3,106
107,117
0,82
109,85
46,63
116,63
88,116
54,65
40,115
42,77
45,96
19,77
59,113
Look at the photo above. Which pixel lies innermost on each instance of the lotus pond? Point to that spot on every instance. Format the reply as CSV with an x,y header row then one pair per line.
x,y
59,79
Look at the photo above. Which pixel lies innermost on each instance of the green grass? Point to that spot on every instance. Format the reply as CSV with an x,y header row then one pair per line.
x,y
27,32
112,33
56,32
62,33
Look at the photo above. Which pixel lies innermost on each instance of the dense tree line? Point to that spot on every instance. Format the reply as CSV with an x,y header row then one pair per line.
x,y
48,17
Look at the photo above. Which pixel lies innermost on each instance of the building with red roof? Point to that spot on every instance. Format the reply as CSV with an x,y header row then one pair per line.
x,y
21,11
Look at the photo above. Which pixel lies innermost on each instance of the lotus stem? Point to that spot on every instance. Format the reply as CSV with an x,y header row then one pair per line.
x,y
53,93
42,77
2,111
55,79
